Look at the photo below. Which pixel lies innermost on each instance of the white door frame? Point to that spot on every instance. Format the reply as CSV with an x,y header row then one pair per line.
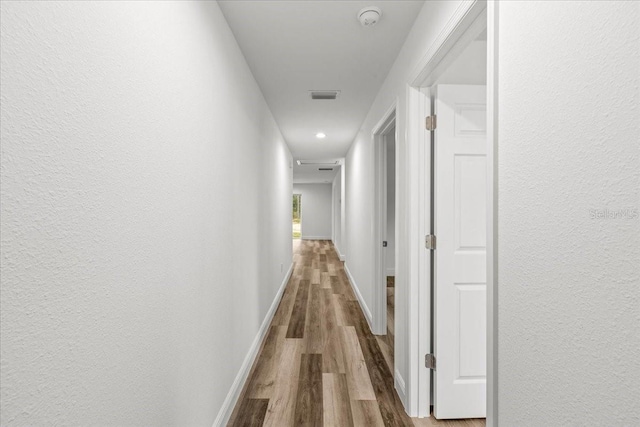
x,y
450,40
492,213
379,135
418,159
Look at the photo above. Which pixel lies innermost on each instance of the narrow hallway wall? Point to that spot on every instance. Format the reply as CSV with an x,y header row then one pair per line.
x,y
359,182
338,218
143,238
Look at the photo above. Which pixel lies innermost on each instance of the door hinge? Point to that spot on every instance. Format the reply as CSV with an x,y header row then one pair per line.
x,y
430,242
430,123
430,361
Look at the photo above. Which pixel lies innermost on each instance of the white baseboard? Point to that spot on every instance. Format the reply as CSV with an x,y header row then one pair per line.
x,y
316,237
363,305
400,388
236,388
391,271
340,256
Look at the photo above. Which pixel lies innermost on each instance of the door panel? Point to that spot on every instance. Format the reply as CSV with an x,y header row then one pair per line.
x,y
460,257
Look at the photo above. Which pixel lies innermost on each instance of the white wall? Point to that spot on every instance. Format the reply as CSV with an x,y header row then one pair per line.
x,y
470,67
568,285
138,259
336,197
316,210
359,180
343,210
390,258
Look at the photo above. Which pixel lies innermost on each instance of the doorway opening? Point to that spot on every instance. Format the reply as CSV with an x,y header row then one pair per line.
x,y
386,341
297,217
384,138
451,93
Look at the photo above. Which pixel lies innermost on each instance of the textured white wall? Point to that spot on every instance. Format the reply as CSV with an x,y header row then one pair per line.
x,y
343,211
359,175
138,260
316,212
336,191
470,67
569,285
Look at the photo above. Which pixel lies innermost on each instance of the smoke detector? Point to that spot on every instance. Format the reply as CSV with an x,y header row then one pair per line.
x,y
369,16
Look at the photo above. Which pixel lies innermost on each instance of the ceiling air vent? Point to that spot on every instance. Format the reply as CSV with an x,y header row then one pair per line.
x,y
325,169
324,94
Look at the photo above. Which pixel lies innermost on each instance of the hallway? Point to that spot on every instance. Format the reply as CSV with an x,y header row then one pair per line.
x,y
149,152
320,364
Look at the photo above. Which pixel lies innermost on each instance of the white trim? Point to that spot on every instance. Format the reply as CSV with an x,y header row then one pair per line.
x,y
399,384
419,163
338,251
388,119
316,237
391,271
465,13
418,389
492,212
423,329
363,305
379,217
238,384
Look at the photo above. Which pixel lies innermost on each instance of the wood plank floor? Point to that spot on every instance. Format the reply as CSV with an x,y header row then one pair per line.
x,y
320,365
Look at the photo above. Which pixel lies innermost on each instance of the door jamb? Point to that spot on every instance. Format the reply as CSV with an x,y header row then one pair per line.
x,y
492,212
418,390
379,134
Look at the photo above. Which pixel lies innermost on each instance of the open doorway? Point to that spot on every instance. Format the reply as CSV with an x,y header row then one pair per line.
x,y
297,217
387,341
385,231
456,193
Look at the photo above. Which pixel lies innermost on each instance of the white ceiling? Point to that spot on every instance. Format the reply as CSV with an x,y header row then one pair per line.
x,y
296,46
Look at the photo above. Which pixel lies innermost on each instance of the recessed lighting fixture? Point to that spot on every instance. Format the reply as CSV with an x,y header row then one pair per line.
x,y
320,135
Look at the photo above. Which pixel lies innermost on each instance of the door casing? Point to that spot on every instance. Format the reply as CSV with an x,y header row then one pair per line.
x,y
379,220
461,28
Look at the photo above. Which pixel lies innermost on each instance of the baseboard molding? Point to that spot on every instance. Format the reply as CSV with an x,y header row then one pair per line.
x,y
391,271
316,237
236,388
399,384
340,256
363,305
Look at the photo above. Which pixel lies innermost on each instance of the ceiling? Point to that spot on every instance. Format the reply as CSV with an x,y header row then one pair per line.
x,y
293,47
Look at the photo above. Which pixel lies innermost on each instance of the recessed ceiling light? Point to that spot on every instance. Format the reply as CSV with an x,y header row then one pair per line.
x,y
320,135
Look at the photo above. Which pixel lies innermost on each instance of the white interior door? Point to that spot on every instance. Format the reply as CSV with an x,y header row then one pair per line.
x,y
460,269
